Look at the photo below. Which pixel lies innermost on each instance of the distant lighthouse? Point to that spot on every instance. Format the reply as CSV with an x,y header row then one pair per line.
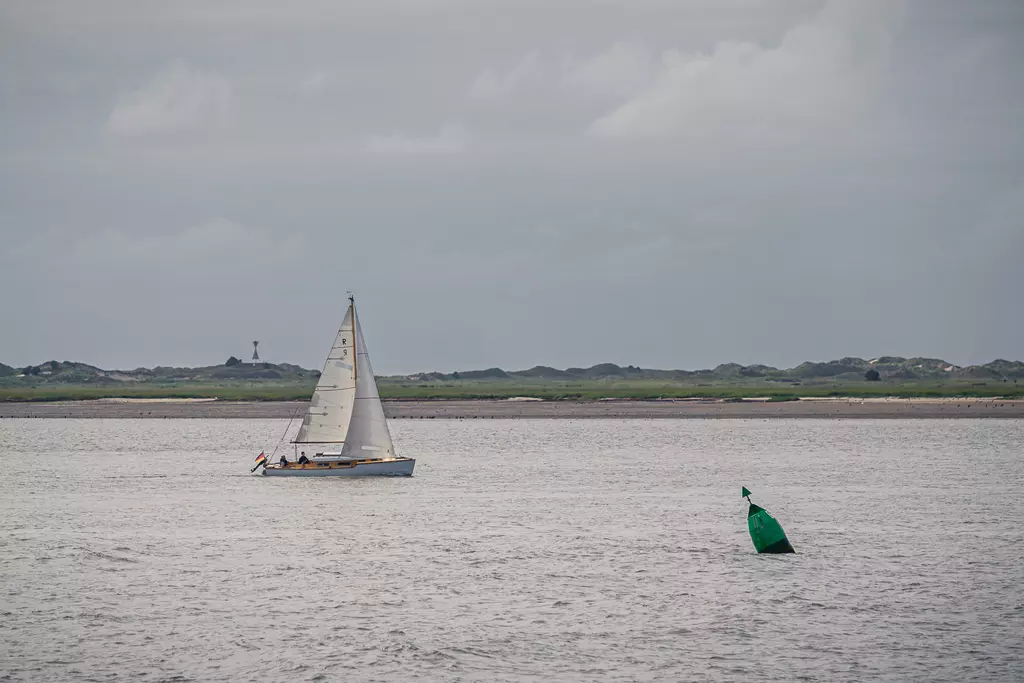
x,y
255,352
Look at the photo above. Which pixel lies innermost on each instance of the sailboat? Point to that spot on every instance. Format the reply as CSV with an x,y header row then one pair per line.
x,y
344,432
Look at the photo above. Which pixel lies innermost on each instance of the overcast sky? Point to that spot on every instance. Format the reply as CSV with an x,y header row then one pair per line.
x,y
664,183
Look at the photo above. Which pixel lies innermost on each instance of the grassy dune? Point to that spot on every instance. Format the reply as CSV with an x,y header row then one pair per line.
x,y
248,392
650,389
238,381
499,389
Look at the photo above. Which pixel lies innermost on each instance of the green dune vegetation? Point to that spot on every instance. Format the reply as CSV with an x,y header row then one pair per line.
x,y
242,381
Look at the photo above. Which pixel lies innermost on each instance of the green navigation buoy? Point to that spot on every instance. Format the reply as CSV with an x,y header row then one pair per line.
x,y
765,532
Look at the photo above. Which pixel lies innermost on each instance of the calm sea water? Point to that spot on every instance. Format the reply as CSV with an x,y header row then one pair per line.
x,y
521,551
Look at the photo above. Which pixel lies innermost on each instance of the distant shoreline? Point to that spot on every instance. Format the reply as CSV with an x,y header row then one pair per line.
x,y
809,408
240,381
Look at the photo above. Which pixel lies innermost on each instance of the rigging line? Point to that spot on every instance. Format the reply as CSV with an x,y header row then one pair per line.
x,y
292,419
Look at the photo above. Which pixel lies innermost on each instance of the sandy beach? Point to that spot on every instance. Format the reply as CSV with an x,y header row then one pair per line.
x,y
922,408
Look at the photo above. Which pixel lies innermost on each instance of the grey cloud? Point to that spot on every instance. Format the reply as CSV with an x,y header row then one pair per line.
x,y
773,181
315,82
826,66
624,70
451,139
180,97
490,85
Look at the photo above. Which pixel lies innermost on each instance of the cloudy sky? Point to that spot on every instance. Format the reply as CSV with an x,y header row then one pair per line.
x,y
668,183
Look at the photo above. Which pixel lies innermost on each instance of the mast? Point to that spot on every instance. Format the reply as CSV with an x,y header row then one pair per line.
x,y
355,350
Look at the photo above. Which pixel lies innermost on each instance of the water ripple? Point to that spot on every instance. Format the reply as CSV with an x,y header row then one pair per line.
x,y
608,550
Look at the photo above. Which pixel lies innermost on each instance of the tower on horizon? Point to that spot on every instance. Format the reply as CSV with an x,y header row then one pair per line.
x,y
255,352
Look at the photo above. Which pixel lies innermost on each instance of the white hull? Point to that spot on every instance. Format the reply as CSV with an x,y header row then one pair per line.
x,y
387,468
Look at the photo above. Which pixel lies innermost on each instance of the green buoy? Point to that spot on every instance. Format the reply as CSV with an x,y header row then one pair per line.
x,y
765,532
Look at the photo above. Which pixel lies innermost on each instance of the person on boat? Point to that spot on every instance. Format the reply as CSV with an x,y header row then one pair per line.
x,y
283,461
303,459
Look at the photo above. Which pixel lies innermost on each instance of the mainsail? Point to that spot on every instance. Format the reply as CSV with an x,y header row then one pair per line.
x,y
330,410
345,411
